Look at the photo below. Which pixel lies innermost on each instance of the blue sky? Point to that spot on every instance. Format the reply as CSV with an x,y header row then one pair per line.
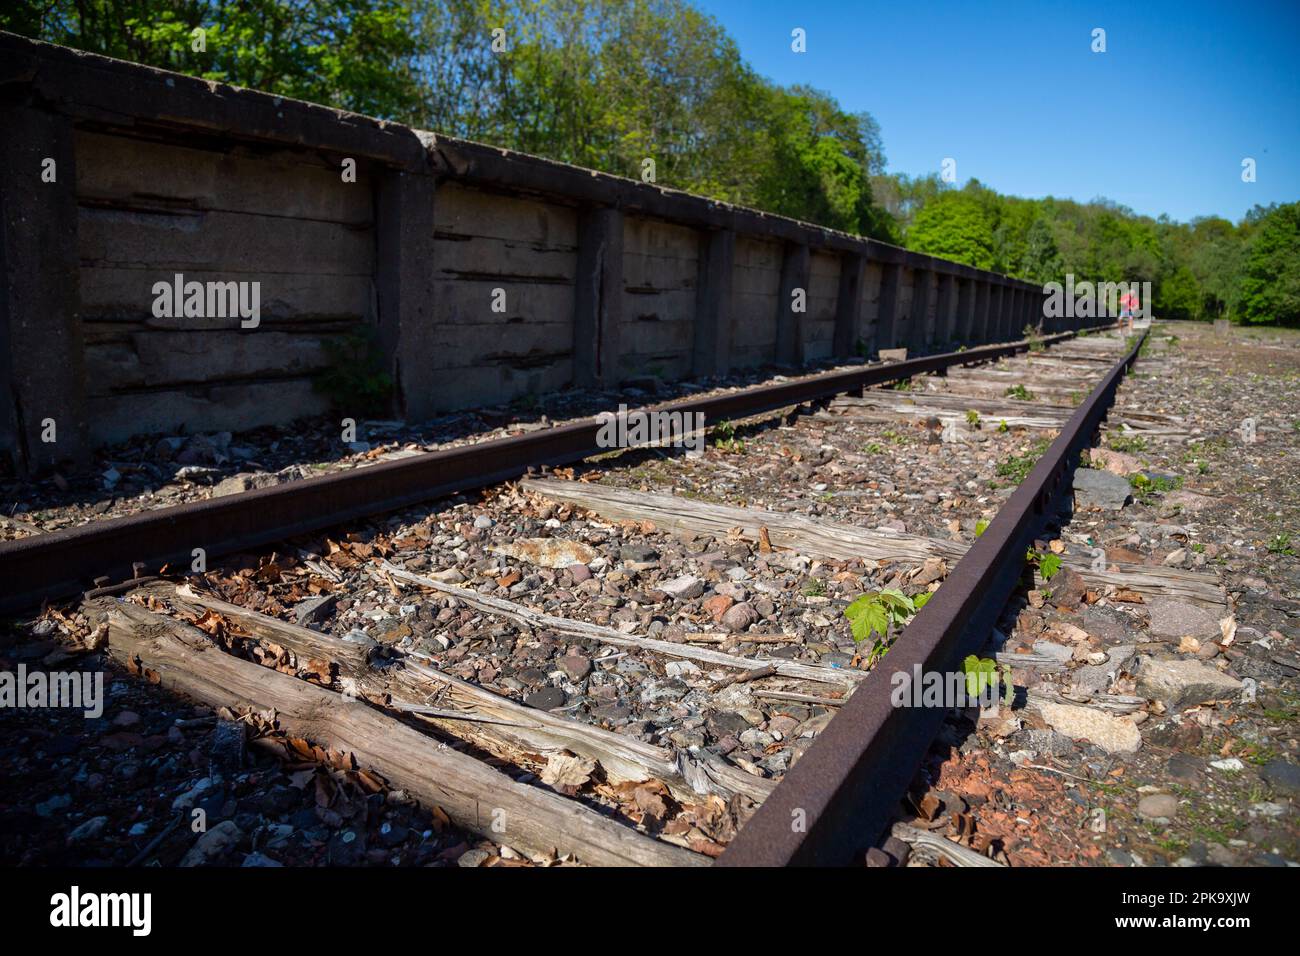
x,y
1160,122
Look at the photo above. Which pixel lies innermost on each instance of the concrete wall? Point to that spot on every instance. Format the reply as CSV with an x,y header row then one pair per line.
x,y
661,263
148,210
483,242
484,274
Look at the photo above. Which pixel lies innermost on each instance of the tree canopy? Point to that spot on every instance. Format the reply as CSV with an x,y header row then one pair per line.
x,y
657,90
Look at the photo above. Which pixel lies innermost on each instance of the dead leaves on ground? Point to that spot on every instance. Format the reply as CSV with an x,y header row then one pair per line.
x,y
566,773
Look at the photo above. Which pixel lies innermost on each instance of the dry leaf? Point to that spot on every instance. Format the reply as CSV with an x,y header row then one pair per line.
x,y
566,770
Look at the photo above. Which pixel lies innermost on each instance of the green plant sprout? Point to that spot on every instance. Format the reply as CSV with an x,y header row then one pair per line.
x,y
983,672
1019,391
874,612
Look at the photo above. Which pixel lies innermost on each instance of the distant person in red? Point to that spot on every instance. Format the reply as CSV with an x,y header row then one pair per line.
x,y
1128,306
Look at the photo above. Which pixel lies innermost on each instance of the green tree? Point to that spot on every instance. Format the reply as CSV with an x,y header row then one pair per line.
x,y
954,225
1042,259
1179,296
1215,258
351,54
1270,281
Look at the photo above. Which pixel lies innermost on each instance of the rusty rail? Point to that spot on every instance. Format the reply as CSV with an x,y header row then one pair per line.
x,y
838,799
64,562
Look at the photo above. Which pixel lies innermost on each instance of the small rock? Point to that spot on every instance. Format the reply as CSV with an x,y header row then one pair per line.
x,y
1115,462
314,610
472,858
1183,767
739,617
47,808
547,552
612,712
1282,776
1183,683
483,522
1220,855
1173,618
1056,652
1158,806
213,844
88,830
1096,678
244,481
257,859
718,605
657,692
580,573
547,698
1068,588
347,847
685,588
393,834
1112,734
189,798
726,723
638,554
1100,489
681,669
1048,742
575,666
1228,765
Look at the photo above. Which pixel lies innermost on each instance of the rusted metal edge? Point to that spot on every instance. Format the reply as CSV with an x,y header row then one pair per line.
x,y
838,799
64,562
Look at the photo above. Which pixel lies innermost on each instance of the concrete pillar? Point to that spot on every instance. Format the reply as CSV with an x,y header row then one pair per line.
x,y
887,307
983,293
916,334
790,324
945,312
712,354
1033,308
42,355
995,312
404,289
598,297
964,331
848,304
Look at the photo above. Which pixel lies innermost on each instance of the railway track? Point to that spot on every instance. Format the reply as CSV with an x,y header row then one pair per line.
x,y
638,658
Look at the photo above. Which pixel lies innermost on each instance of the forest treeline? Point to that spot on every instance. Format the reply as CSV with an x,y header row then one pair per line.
x,y
610,84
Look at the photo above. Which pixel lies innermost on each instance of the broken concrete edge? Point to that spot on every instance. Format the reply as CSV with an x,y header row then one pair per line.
x,y
104,92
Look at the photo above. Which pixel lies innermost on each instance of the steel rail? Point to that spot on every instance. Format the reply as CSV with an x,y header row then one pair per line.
x,y
61,563
837,800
